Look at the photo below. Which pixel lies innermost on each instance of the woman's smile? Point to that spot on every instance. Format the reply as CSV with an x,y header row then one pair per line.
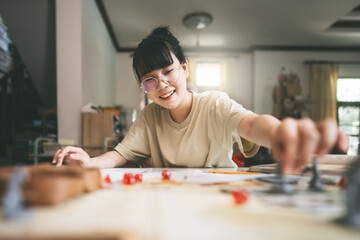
x,y
168,95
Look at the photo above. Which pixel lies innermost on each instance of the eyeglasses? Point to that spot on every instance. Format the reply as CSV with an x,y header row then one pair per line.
x,y
171,76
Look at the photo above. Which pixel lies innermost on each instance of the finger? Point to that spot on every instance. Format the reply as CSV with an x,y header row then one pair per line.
x,y
277,150
80,158
71,162
289,136
56,156
328,136
69,149
60,159
77,150
309,138
63,153
343,141
277,147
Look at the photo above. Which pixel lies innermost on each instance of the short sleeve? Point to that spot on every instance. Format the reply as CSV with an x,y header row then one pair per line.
x,y
135,145
226,115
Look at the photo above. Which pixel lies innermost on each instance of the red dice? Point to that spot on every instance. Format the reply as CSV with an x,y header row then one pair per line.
x,y
240,196
129,179
138,177
166,174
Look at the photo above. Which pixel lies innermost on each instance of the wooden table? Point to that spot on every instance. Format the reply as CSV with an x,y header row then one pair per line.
x,y
165,210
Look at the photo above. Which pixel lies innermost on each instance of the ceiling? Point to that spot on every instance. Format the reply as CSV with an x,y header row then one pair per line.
x,y
238,25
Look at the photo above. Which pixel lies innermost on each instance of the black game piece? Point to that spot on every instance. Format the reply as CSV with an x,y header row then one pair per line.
x,y
280,185
316,184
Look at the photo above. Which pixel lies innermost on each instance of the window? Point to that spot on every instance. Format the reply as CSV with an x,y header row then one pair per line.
x,y
348,110
208,74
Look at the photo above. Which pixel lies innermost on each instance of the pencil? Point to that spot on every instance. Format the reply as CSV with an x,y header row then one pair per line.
x,y
230,172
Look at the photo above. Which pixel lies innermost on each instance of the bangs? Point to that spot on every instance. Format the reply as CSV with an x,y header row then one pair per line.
x,y
154,55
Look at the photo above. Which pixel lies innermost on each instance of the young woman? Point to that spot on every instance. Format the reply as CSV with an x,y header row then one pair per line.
x,y
187,129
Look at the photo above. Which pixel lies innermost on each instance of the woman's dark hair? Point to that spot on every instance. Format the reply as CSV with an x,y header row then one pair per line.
x,y
154,52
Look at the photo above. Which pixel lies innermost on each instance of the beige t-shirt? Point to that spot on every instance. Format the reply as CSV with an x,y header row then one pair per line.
x,y
204,139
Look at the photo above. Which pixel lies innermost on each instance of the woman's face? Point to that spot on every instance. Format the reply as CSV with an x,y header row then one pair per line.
x,y
171,84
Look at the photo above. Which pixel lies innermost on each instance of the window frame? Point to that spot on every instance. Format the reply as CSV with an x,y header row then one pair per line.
x,y
348,104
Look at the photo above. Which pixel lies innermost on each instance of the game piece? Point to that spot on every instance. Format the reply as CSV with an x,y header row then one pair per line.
x,y
315,183
129,179
240,196
284,179
280,178
280,185
107,179
166,174
13,204
138,177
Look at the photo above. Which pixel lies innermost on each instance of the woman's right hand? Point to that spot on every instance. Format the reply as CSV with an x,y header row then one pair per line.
x,y
72,156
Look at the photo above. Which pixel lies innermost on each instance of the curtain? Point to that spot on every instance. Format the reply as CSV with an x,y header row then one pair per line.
x,y
323,77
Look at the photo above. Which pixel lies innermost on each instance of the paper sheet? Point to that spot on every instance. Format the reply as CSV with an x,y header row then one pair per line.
x,y
202,177
185,176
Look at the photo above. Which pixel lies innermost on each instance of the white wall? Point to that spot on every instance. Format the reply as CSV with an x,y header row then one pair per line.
x,y
128,93
86,64
69,65
239,83
99,58
349,70
268,64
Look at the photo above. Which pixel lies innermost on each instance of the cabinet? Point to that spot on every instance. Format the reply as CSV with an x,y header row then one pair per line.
x,y
96,128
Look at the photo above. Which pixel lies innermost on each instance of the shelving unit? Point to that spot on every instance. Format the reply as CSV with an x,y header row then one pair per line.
x,y
19,103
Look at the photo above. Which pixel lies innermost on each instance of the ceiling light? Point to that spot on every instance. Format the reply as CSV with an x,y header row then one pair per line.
x,y
197,20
